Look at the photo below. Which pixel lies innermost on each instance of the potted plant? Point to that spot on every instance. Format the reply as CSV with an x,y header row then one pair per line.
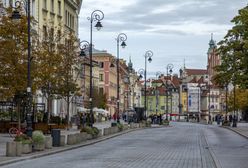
x,y
38,140
26,143
120,126
93,131
166,122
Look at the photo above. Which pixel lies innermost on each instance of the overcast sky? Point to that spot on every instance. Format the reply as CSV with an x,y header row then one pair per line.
x,y
175,30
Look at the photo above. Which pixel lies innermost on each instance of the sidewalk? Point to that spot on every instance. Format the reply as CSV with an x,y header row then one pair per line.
x,y
8,160
4,138
241,129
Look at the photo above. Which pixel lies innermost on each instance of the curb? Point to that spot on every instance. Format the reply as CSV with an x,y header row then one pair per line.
x,y
216,161
66,148
236,131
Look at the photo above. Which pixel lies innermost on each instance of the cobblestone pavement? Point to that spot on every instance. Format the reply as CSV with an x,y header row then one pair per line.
x,y
230,148
179,146
241,129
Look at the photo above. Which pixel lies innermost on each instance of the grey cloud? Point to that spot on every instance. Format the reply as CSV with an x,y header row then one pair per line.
x,y
139,16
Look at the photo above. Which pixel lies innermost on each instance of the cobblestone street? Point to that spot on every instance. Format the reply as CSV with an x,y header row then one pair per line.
x,y
182,145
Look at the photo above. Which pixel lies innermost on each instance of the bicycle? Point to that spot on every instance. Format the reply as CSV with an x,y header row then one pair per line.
x,y
13,132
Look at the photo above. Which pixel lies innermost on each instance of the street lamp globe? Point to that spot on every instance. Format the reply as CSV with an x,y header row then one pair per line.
x,y
123,44
98,25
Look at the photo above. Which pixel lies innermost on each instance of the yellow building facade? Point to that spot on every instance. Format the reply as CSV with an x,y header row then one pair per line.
x,y
56,14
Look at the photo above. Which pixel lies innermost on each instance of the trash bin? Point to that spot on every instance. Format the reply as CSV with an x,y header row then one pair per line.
x,y
56,137
113,124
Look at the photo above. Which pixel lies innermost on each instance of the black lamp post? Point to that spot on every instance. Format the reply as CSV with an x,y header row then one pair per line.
x,y
180,106
120,38
169,68
157,93
84,46
209,105
16,15
96,15
148,56
141,73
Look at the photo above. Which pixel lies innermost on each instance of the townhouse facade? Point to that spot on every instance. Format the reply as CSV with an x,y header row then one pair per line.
x,y
163,96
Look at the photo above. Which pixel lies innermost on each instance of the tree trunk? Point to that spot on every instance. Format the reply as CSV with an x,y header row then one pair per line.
x,y
68,110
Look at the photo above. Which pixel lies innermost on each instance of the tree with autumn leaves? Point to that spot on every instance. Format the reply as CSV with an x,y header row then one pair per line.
x,y
13,57
233,50
54,62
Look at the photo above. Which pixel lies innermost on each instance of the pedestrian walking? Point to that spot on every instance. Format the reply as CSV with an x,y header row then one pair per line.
x,y
83,119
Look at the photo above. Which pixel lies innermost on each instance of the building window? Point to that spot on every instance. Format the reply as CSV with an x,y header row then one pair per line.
x,y
33,8
101,64
72,25
101,77
59,35
45,4
44,32
101,91
66,17
52,5
59,7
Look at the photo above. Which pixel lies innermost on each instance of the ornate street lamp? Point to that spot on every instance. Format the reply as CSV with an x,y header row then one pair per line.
x,y
96,15
121,38
148,56
156,91
141,73
169,68
15,16
84,46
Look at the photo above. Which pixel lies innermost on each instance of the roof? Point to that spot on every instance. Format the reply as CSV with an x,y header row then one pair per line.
x,y
193,80
95,51
174,79
196,71
157,81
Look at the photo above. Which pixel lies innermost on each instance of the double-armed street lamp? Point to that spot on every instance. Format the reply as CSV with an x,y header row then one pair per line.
x,y
96,15
148,57
121,38
169,71
16,16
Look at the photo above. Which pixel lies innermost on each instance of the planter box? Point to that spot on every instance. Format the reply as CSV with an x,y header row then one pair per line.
x,y
89,136
39,146
100,133
125,127
48,142
13,149
106,131
71,139
26,148
83,136
62,140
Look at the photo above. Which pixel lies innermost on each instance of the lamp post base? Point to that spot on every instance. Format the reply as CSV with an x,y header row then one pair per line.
x,y
234,124
29,131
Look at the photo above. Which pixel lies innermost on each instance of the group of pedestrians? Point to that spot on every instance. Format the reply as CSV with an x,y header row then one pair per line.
x,y
220,118
156,119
